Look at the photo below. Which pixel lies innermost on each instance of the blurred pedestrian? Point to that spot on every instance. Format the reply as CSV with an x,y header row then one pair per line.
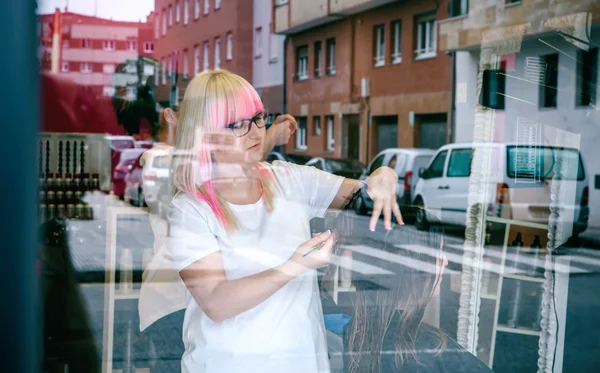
x,y
239,235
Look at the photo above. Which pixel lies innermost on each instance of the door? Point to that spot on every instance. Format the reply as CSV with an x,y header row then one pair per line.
x,y
432,132
457,184
387,132
433,184
350,137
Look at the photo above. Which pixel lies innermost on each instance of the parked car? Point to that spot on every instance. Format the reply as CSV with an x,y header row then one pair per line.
x,y
148,185
349,168
128,163
517,187
292,158
406,162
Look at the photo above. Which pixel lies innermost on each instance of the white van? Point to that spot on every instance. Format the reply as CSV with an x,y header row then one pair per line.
x,y
519,178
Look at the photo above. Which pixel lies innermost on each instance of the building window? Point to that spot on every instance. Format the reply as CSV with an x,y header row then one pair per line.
x,y
196,59
302,61
587,77
131,45
493,89
396,42
186,64
330,134
217,53
458,8
206,56
163,72
318,59
301,134
258,42
156,27
426,36
108,68
86,67
87,43
379,45
281,2
170,65
206,7
217,4
156,73
512,1
108,91
186,12
196,9
331,56
170,15
109,45
273,47
177,11
548,88
148,47
229,46
316,125
64,67
164,22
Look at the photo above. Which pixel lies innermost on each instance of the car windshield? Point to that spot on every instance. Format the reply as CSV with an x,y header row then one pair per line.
x,y
539,163
338,165
299,159
162,162
118,144
129,157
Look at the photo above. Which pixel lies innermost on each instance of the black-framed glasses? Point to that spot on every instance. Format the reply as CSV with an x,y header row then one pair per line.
x,y
242,127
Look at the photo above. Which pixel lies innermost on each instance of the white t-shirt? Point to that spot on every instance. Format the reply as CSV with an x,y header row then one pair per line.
x,y
162,292
286,332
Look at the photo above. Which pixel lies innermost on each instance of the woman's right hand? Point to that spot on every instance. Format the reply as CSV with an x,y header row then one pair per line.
x,y
317,258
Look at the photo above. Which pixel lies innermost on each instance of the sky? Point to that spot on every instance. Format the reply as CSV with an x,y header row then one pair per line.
x,y
118,10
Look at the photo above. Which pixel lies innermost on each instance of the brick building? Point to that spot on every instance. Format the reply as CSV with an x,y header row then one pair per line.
x,y
94,51
365,75
194,35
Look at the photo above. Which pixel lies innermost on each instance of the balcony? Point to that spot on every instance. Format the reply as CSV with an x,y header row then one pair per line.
x,y
490,22
294,16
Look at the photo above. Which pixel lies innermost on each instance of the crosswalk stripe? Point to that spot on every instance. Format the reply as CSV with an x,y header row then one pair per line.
x,y
363,268
528,260
394,258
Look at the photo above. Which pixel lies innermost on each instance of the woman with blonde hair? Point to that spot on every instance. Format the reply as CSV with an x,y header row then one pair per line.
x,y
240,237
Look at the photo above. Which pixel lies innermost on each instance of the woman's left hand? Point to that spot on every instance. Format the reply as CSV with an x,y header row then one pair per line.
x,y
381,187
282,129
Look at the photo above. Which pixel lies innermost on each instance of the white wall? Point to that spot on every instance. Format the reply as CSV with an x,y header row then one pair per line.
x,y
267,72
584,121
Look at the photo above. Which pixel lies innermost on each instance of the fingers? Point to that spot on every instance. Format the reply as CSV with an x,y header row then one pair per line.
x,y
387,214
397,213
293,125
318,239
377,208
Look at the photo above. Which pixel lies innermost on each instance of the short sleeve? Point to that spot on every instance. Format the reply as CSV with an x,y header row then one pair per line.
x,y
190,237
319,188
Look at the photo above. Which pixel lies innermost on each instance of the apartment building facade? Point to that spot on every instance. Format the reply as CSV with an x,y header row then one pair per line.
x,y
267,69
195,35
549,59
93,51
362,76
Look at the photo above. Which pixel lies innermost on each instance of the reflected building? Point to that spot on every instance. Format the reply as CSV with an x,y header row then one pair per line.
x,y
92,51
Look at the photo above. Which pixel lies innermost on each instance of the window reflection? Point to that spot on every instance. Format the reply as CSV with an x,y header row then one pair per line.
x,y
484,116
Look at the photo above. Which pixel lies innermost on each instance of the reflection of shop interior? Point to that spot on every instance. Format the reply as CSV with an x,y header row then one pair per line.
x,y
65,176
